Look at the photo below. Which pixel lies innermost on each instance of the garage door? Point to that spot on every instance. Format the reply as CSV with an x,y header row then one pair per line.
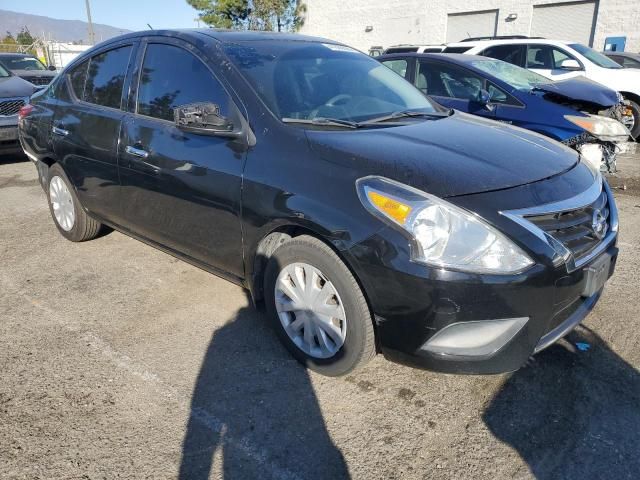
x,y
565,21
471,24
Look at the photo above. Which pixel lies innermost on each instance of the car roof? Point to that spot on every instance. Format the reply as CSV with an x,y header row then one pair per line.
x,y
518,41
222,35
459,58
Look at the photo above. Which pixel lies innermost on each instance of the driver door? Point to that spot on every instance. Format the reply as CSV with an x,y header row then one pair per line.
x,y
547,61
180,189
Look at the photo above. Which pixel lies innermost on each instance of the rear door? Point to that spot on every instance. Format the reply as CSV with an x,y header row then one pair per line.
x,y
86,127
180,189
452,86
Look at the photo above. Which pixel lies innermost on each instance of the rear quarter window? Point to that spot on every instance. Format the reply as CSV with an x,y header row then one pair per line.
x,y
399,66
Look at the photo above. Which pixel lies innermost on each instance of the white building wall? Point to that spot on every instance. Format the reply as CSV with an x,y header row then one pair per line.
x,y
424,21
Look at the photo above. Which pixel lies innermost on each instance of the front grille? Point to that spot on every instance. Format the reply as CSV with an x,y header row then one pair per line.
x,y
10,106
580,230
38,80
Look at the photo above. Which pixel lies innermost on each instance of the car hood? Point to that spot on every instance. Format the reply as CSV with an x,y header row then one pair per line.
x,y
15,87
456,155
34,73
583,90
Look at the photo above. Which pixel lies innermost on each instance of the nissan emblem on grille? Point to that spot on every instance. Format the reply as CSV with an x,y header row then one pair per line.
x,y
599,224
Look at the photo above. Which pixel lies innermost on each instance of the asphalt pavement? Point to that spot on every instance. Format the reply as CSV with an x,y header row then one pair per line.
x,y
119,361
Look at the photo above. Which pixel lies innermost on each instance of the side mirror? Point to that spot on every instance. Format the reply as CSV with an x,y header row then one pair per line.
x,y
52,68
484,98
204,119
570,64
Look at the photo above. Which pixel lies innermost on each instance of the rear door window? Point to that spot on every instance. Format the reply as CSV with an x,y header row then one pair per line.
x,y
172,76
507,53
105,77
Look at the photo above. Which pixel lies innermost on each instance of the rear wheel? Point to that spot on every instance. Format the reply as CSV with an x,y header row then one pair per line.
x,y
317,307
72,221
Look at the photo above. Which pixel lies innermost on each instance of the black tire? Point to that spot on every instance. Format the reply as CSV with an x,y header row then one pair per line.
x,y
84,227
635,107
359,343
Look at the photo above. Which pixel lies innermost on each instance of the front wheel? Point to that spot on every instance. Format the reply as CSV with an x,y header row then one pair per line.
x,y
317,307
633,124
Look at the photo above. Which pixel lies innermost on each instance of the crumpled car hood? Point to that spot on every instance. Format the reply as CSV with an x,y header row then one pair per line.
x,y
582,89
456,155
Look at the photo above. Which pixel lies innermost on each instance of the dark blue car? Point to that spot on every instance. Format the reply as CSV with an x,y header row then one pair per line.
x,y
578,112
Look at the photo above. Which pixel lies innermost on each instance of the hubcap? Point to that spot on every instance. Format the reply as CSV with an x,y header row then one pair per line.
x,y
629,121
62,203
310,310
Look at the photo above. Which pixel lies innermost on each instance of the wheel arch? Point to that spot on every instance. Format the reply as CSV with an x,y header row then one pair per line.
x,y
258,257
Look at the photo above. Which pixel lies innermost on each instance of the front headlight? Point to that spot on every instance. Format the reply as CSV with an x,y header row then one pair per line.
x,y
442,234
604,128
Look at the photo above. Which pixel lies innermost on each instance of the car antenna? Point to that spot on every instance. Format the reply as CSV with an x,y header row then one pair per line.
x,y
150,27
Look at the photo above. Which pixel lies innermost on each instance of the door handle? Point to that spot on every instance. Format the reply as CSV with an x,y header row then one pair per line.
x,y
136,152
60,131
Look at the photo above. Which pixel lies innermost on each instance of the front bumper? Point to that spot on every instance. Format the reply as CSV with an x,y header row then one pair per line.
x,y
415,305
9,134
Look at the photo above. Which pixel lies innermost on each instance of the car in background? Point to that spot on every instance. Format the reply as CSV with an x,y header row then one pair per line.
x,y
414,49
626,59
366,217
559,60
577,112
14,95
28,67
376,51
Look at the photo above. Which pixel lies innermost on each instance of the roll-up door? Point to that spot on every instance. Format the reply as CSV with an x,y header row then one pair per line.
x,y
471,24
565,21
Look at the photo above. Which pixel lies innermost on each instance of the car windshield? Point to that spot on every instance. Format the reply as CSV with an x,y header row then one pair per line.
x,y
22,63
596,57
518,77
307,81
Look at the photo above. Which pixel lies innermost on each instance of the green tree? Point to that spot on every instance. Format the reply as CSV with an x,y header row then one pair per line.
x,y
268,15
24,37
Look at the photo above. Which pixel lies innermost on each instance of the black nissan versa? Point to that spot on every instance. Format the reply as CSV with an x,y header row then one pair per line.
x,y
366,217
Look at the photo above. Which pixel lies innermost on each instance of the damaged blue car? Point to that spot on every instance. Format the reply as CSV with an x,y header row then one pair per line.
x,y
578,112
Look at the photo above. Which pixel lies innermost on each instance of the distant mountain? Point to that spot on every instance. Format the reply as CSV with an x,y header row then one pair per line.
x,y
55,29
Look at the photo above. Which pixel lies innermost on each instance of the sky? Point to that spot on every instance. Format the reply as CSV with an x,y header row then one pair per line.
x,y
127,14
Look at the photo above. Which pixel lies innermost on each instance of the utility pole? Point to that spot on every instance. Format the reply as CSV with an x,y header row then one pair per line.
x,y
92,35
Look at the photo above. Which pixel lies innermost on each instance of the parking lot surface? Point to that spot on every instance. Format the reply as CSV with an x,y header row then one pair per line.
x,y
119,361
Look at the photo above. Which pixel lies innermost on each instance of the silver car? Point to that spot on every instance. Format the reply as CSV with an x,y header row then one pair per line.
x,y
14,94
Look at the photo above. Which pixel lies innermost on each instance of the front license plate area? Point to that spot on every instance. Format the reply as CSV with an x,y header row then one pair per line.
x,y
10,133
597,274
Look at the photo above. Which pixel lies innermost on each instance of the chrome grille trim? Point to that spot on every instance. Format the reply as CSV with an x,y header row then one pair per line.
x,y
583,200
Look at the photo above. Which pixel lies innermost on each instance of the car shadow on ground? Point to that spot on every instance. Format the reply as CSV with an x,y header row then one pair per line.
x,y
254,413
572,413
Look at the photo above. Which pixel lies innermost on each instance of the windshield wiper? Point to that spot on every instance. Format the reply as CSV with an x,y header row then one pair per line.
x,y
410,114
329,122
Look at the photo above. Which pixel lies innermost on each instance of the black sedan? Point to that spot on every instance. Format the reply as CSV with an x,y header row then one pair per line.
x,y
365,217
28,67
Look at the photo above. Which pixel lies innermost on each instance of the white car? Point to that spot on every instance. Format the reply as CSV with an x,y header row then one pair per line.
x,y
559,60
414,49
